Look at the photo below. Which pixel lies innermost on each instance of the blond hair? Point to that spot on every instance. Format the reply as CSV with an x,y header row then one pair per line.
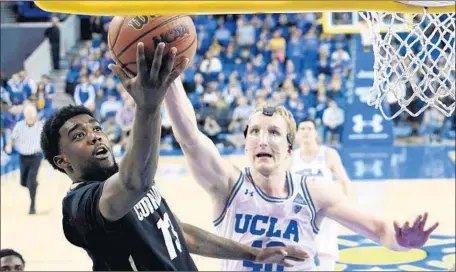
x,y
286,114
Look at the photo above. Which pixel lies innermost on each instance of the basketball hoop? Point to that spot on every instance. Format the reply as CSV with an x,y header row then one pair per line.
x,y
422,59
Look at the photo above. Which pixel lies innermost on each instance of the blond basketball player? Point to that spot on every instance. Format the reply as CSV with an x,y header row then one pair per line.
x,y
264,205
322,162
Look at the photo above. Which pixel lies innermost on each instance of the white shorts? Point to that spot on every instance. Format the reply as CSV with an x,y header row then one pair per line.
x,y
327,238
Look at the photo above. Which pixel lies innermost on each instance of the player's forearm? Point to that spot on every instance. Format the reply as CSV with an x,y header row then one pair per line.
x,y
346,187
181,114
206,244
140,161
387,237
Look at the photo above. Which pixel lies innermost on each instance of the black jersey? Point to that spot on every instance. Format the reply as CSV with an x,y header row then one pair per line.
x,y
146,238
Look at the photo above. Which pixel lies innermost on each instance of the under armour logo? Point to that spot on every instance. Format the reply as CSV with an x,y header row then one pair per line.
x,y
247,192
360,123
362,168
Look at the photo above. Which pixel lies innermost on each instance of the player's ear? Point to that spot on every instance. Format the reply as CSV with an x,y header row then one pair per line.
x,y
61,162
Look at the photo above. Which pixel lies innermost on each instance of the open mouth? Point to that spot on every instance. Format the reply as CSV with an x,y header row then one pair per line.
x,y
263,155
101,152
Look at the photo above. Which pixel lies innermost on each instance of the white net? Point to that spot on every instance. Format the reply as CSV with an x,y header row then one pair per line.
x,y
414,62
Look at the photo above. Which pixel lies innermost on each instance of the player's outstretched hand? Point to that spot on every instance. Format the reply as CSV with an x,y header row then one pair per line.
x,y
281,255
413,236
149,86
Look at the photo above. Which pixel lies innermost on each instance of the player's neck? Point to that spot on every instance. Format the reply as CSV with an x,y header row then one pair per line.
x,y
272,184
309,148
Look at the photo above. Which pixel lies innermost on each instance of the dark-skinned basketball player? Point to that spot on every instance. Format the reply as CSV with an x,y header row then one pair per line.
x,y
115,212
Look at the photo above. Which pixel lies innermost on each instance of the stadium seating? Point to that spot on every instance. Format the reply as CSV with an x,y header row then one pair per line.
x,y
241,61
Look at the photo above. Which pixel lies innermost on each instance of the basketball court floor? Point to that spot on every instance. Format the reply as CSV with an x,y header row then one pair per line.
x,y
398,183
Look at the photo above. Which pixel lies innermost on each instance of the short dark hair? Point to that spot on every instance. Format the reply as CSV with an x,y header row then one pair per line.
x,y
308,120
10,252
50,136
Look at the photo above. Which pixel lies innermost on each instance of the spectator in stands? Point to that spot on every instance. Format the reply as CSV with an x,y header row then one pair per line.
x,y
333,119
308,97
236,135
53,34
93,64
211,65
125,117
84,94
278,44
222,34
300,112
110,106
16,91
211,128
340,61
11,260
245,33
28,84
242,111
26,139
209,100
111,128
5,96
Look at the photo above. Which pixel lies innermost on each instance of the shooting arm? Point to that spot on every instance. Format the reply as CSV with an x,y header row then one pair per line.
x,y
213,173
137,169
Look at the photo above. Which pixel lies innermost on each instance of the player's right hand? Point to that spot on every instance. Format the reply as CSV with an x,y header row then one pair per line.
x,y
149,86
281,255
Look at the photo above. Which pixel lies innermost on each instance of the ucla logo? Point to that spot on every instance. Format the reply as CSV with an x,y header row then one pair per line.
x,y
259,225
360,254
298,203
310,172
138,22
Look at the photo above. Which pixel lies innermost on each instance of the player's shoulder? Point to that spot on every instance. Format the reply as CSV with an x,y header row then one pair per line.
x,y
329,150
79,194
322,190
331,153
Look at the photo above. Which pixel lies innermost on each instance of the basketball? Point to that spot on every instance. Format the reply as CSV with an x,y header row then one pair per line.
x,y
125,33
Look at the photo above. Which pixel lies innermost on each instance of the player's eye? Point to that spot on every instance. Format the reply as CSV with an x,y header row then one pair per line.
x,y
78,136
254,131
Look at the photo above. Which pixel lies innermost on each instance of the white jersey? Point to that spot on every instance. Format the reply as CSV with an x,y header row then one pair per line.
x,y
257,219
318,167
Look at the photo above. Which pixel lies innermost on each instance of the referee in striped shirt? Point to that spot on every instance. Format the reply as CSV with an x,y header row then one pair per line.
x,y
26,139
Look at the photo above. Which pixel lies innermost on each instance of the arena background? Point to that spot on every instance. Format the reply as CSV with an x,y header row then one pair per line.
x,y
399,168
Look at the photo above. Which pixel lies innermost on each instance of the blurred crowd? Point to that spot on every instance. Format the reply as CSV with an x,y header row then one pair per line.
x,y
241,61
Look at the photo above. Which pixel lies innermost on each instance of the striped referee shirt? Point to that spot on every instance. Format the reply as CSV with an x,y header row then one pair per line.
x,y
27,138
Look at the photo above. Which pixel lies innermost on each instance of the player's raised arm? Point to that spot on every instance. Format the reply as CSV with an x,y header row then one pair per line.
x,y
215,174
332,202
139,164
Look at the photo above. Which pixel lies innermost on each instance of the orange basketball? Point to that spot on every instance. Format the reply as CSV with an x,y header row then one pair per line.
x,y
174,30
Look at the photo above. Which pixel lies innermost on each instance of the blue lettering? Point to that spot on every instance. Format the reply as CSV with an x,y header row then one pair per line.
x,y
292,229
272,232
253,227
244,228
259,225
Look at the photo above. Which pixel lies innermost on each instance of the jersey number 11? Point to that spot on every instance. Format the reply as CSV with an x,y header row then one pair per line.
x,y
170,236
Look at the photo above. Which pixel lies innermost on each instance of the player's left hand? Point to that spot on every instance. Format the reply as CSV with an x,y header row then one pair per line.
x,y
413,236
281,255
